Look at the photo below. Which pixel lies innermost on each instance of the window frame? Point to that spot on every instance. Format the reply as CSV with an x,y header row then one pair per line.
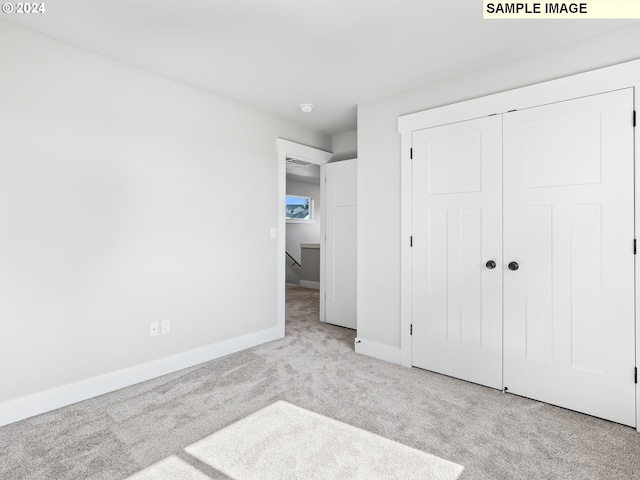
x,y
311,218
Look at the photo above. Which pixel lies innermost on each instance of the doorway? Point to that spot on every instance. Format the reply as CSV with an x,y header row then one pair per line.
x,y
290,153
303,217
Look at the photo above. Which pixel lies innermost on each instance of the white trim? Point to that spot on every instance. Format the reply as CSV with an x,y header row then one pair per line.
x,y
303,152
37,403
323,242
316,156
625,75
310,284
406,231
378,350
575,86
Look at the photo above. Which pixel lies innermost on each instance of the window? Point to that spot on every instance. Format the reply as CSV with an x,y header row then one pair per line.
x,y
299,209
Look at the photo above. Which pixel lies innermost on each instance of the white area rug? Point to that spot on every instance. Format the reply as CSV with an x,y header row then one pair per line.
x,y
170,468
283,441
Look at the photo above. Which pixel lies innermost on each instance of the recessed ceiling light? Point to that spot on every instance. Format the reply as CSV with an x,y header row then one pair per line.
x,y
306,107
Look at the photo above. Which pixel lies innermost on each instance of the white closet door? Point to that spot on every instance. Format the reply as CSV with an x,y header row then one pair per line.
x,y
340,245
568,223
457,229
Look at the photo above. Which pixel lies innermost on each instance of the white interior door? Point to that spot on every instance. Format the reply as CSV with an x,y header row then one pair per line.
x,y
568,223
340,244
457,230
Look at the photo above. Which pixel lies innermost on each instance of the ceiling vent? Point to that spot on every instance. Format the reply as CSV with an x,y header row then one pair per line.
x,y
294,162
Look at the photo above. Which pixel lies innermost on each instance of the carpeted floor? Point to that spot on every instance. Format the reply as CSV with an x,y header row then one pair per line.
x,y
288,442
493,435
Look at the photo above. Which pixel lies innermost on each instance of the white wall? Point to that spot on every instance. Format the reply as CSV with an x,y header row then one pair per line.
x,y
124,199
344,146
301,232
379,164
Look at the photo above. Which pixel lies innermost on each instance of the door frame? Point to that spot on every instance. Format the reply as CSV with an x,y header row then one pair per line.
x,y
593,82
287,148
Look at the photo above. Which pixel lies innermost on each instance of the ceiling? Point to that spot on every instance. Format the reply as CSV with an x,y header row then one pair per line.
x,y
277,54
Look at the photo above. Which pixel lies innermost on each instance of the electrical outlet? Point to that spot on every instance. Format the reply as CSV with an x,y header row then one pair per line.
x,y
166,326
153,329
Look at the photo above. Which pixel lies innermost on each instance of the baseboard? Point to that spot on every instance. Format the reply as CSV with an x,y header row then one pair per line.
x,y
310,284
37,403
378,350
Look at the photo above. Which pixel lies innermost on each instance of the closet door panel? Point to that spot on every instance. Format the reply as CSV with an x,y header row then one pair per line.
x,y
457,221
569,224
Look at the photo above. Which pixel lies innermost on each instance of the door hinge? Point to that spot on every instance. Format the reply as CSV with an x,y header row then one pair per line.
x,y
411,333
635,246
411,241
634,118
635,375
411,153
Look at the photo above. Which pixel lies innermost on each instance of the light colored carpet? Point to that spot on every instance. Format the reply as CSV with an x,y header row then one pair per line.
x,y
283,441
171,468
496,436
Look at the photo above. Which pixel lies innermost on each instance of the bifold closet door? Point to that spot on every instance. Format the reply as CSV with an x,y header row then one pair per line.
x,y
569,227
457,250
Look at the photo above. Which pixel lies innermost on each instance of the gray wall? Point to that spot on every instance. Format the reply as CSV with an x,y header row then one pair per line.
x,y
301,232
126,198
344,146
311,264
379,160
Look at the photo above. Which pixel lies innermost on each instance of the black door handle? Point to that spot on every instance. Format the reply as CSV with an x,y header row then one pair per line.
x,y
490,264
514,266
